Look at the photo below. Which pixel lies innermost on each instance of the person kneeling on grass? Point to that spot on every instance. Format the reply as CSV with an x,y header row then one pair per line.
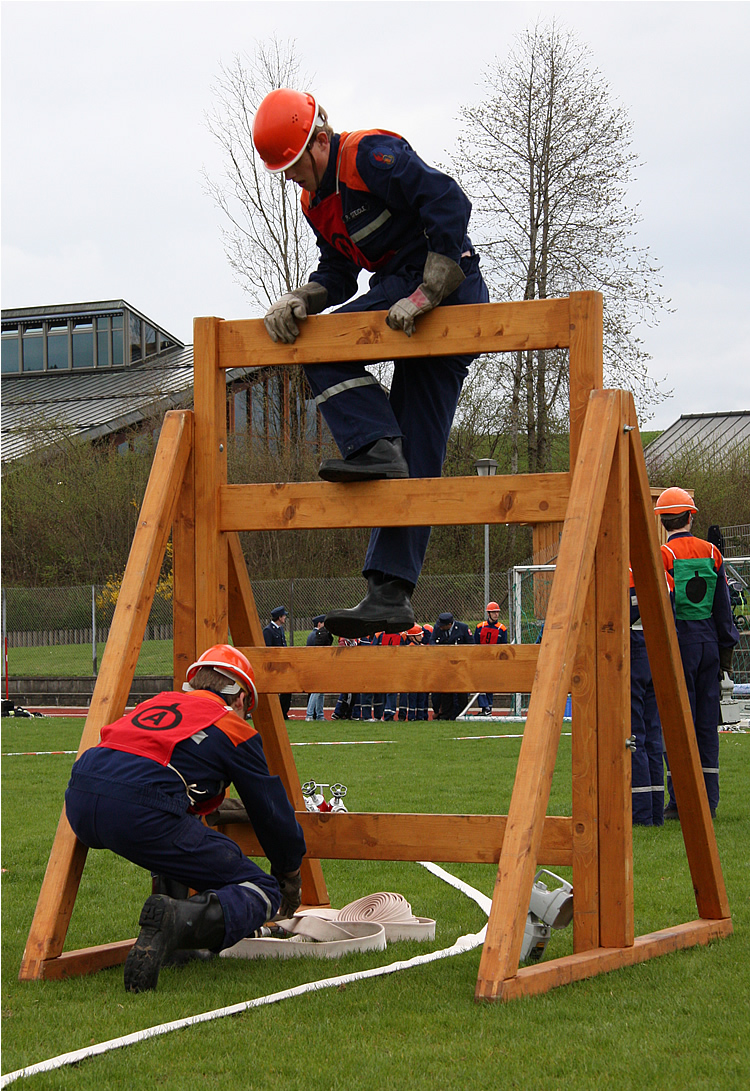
x,y
139,792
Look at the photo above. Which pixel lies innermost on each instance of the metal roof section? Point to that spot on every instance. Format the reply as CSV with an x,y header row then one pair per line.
x,y
39,410
717,433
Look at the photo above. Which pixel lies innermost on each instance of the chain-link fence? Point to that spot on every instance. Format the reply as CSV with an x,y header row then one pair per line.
x,y
79,618
530,586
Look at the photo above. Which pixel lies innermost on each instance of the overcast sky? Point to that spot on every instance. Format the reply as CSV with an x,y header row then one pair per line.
x,y
104,141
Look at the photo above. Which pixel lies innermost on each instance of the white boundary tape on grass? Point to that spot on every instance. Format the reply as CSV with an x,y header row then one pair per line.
x,y
462,945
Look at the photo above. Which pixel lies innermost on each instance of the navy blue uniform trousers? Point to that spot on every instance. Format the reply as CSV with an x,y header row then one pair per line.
x,y
421,407
647,764
181,848
700,663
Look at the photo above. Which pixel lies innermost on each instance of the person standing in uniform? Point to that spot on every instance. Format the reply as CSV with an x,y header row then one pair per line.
x,y
490,632
318,638
413,706
275,637
447,706
374,204
389,700
139,793
706,631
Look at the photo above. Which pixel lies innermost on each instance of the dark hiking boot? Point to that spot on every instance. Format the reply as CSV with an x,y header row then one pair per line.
x,y
383,458
169,925
385,608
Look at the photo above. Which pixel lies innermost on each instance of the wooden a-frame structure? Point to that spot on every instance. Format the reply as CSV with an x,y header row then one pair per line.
x,y
605,507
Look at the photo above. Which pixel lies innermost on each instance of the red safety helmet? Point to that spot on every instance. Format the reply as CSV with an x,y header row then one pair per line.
x,y
232,664
282,127
493,606
416,630
674,501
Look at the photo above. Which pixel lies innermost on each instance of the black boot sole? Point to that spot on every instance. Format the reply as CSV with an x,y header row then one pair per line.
x,y
150,950
350,627
340,473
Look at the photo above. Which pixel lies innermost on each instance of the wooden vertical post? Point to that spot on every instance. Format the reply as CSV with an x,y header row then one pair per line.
x,y
586,374
184,650
211,624
616,925
586,360
585,783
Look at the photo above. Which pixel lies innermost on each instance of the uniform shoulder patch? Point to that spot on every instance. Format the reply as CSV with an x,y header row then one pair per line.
x,y
382,158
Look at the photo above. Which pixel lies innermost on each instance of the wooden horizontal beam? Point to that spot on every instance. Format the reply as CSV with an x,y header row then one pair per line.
x,y
451,838
496,668
508,498
533,980
363,335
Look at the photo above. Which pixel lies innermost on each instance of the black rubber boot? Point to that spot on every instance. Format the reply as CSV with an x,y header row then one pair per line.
x,y
168,925
383,458
385,608
174,889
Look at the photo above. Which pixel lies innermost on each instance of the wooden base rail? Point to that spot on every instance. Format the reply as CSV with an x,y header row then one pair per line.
x,y
533,980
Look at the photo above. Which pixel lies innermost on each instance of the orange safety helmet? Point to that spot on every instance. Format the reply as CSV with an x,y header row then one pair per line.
x,y
232,664
282,127
416,630
674,501
493,606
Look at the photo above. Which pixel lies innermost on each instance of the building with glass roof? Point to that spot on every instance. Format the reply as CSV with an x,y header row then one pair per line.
x,y
104,369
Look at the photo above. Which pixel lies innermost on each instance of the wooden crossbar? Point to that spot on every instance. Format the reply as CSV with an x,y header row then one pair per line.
x,y
364,336
497,668
452,838
462,501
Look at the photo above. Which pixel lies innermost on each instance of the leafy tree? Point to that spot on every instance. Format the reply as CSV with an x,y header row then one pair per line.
x,y
547,160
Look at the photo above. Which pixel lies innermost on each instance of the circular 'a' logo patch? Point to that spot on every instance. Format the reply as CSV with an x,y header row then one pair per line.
x,y
158,718
382,158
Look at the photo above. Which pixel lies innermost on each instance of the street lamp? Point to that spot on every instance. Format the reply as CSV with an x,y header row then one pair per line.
x,y
486,467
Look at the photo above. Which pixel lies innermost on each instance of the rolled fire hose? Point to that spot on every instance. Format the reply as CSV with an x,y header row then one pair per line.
x,y
363,925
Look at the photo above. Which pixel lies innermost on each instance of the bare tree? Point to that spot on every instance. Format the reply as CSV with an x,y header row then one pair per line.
x,y
546,158
268,243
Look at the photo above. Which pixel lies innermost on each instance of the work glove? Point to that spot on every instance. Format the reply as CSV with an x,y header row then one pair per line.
x,y
725,658
441,277
282,318
290,883
230,810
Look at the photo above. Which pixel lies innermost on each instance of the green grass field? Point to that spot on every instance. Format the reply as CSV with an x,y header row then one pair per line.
x,y
678,1022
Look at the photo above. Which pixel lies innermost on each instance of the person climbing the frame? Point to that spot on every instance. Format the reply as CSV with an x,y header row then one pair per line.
x,y
374,204
139,793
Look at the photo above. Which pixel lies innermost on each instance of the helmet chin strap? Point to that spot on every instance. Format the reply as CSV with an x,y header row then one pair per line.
x,y
314,166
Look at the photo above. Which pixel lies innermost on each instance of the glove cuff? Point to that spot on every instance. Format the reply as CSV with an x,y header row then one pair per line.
x,y
441,277
313,295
